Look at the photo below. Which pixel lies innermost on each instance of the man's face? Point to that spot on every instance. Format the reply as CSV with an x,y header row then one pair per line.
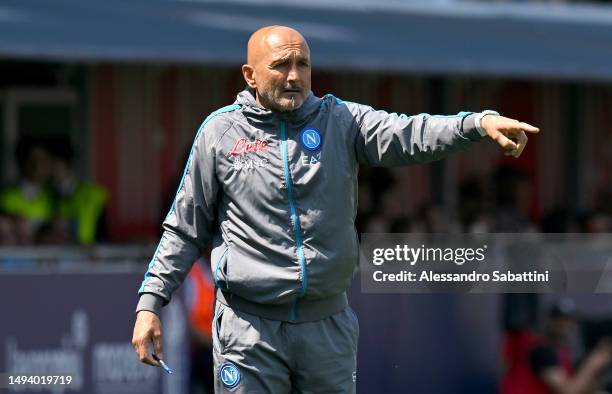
x,y
282,73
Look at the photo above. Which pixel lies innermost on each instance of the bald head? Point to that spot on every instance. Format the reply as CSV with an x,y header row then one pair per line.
x,y
267,38
278,67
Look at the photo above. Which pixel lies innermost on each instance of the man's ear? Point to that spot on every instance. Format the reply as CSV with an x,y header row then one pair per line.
x,y
249,75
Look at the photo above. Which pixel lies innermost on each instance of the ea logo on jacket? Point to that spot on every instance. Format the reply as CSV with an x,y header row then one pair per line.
x,y
311,139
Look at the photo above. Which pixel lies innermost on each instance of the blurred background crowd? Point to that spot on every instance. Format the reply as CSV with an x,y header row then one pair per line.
x,y
99,104
48,204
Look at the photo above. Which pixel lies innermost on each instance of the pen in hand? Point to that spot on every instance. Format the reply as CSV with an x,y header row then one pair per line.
x,y
162,363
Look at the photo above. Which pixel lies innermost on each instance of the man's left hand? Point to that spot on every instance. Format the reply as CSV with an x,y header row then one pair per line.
x,y
508,133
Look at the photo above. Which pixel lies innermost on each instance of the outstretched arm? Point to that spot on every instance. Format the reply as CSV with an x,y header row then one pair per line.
x,y
390,139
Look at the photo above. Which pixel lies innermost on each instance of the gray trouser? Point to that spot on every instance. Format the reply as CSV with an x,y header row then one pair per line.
x,y
257,355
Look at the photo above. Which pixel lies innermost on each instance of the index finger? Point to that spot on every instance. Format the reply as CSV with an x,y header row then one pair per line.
x,y
528,128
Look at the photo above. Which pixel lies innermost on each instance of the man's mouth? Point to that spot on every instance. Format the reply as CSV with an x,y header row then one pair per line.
x,y
293,90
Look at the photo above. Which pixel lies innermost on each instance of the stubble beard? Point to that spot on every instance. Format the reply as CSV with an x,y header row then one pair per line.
x,y
280,105
285,105
292,104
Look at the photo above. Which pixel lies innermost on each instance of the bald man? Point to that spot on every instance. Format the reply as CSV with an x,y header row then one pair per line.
x,y
272,182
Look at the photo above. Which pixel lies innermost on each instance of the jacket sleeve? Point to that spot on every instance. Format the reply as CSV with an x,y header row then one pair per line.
x,y
390,139
187,227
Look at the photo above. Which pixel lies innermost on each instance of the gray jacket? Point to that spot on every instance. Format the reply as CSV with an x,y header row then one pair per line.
x,y
276,193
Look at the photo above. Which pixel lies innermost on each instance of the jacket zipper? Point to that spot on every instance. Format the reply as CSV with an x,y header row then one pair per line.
x,y
297,230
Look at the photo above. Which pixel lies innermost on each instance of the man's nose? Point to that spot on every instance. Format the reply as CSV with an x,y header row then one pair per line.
x,y
293,74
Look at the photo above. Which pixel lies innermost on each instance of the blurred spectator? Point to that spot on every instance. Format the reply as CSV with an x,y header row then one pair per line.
x,y
28,204
502,207
511,200
433,219
603,200
472,206
55,232
541,364
7,233
558,221
78,205
374,182
596,222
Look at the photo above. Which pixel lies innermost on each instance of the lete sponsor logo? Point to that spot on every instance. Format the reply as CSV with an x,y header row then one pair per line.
x,y
243,147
